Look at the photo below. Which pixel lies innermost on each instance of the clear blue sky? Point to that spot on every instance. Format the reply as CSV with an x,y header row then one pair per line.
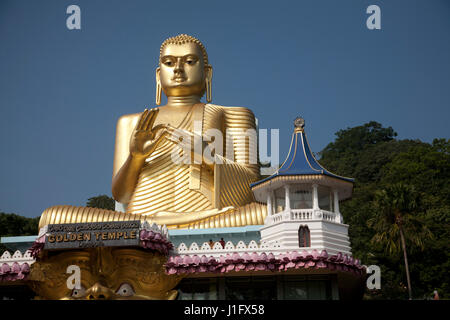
x,y
62,91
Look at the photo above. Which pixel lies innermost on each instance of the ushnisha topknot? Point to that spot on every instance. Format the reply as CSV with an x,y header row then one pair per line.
x,y
184,38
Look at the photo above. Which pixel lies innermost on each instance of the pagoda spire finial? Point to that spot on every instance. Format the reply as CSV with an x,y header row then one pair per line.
x,y
299,124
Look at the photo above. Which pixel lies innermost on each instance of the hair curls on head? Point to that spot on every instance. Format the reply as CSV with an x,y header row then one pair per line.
x,y
184,38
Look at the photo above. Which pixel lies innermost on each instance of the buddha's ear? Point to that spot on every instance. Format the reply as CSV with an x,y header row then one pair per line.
x,y
158,74
208,72
158,86
208,82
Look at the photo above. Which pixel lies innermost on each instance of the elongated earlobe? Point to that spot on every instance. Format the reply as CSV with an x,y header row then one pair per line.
x,y
158,88
209,84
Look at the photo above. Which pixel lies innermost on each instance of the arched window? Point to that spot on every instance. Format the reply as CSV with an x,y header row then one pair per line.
x,y
304,238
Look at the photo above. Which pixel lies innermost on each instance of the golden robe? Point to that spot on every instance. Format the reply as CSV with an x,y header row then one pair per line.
x,y
183,195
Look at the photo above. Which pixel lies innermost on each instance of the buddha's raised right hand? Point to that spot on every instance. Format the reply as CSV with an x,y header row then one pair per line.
x,y
145,138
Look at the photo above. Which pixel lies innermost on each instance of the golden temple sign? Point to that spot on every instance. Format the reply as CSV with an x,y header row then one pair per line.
x,y
91,235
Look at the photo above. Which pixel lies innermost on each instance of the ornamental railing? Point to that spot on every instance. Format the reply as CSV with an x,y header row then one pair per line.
x,y
303,215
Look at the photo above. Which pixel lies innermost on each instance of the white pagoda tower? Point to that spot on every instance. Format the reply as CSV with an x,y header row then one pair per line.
x,y
302,201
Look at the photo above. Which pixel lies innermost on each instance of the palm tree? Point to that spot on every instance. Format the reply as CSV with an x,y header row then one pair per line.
x,y
396,222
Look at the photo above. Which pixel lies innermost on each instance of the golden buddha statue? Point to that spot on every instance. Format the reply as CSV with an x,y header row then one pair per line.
x,y
180,194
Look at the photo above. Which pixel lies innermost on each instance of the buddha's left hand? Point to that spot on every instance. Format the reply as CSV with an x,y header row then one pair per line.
x,y
187,140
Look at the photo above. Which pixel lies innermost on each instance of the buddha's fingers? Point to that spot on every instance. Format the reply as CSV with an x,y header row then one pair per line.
x,y
147,118
159,127
163,134
171,128
174,132
178,131
173,139
141,120
148,124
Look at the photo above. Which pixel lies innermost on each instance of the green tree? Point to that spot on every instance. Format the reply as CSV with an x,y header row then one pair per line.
x,y
101,202
376,162
343,155
396,222
427,168
12,224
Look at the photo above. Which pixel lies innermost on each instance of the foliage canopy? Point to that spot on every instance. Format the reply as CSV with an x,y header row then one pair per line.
x,y
378,162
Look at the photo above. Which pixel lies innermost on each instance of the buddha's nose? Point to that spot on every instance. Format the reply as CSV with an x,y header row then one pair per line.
x,y
178,66
98,292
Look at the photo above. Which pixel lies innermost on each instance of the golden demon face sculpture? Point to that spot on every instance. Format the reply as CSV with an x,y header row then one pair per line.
x,y
106,273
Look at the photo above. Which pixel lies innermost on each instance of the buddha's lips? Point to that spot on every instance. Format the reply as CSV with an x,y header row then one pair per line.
x,y
179,79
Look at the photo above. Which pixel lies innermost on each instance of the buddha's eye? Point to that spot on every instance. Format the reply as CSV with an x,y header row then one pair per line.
x,y
168,61
125,290
190,60
78,293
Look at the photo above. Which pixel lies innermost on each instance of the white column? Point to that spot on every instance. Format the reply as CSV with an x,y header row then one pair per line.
x,y
336,201
287,199
269,203
336,206
272,197
315,197
331,204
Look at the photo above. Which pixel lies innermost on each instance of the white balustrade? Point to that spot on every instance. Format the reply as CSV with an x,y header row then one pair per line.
x,y
328,215
302,215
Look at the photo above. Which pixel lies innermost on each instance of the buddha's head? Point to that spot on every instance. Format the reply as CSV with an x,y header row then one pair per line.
x,y
106,273
183,68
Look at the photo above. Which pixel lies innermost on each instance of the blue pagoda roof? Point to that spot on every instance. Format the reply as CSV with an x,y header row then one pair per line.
x,y
300,161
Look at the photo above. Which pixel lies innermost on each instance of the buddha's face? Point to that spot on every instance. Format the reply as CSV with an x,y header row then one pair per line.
x,y
182,70
111,274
